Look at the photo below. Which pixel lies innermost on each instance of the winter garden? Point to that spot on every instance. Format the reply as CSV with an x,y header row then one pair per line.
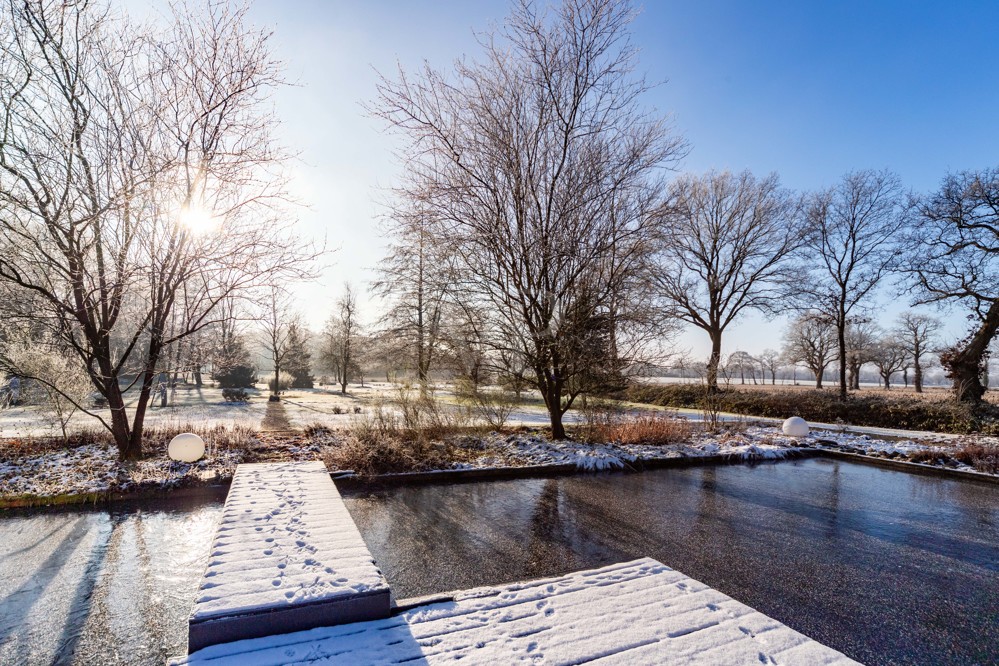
x,y
544,371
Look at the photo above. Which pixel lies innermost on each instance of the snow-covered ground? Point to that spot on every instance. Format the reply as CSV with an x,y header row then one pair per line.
x,y
95,469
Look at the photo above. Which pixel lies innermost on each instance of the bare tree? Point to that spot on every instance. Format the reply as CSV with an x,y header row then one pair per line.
x,y
917,332
50,372
861,339
540,171
889,356
135,166
740,362
811,340
851,248
956,259
340,338
770,360
276,318
724,247
414,278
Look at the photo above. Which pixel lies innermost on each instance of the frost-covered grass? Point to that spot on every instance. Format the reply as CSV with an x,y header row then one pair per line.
x,y
968,453
382,444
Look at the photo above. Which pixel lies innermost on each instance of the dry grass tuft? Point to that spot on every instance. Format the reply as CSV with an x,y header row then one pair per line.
x,y
653,429
370,456
983,457
927,456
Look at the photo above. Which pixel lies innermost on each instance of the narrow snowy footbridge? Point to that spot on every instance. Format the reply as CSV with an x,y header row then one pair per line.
x,y
287,556
291,575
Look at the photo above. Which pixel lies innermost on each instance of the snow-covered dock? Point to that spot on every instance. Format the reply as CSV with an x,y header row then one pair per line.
x,y
286,557
639,612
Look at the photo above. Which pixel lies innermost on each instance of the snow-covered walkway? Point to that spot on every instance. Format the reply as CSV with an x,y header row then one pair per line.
x,y
287,556
639,612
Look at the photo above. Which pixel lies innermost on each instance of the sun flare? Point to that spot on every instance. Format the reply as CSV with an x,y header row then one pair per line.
x,y
198,220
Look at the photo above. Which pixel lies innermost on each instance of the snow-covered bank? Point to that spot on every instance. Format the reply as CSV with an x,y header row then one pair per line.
x,y
93,469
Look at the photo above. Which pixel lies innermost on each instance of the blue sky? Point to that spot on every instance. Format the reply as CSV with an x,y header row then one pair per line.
x,y
808,89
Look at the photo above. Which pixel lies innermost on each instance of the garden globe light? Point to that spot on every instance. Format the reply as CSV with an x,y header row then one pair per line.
x,y
795,427
186,447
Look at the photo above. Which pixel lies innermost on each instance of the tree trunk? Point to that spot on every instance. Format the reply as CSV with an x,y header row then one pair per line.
x,y
551,391
964,364
558,430
917,368
818,377
197,376
841,333
276,393
713,361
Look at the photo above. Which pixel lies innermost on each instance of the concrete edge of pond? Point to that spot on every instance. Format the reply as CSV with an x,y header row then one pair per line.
x,y
350,480
911,467
353,481
108,496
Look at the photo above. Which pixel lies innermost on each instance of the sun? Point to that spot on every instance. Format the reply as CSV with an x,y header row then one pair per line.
x,y
198,220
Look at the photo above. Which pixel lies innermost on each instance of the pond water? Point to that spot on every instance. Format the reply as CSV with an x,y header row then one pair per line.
x,y
885,566
98,586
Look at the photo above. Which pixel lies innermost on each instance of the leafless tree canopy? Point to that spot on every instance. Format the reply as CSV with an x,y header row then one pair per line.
x,y
917,333
340,338
138,183
956,259
416,281
811,341
851,248
889,356
723,248
539,168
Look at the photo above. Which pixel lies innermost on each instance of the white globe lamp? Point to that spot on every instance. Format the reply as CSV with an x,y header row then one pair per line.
x,y
795,427
186,447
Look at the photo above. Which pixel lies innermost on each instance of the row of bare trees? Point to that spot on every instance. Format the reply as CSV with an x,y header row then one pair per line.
x,y
811,340
535,203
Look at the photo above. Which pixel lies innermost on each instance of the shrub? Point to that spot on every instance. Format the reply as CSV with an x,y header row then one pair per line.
x,y
235,395
927,456
493,407
302,381
374,453
237,376
317,430
272,385
826,407
422,414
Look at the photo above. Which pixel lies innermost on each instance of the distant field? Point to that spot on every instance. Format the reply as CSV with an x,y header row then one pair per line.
x,y
929,392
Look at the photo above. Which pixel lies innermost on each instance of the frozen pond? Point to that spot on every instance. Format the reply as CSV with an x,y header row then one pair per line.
x,y
102,587
885,566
